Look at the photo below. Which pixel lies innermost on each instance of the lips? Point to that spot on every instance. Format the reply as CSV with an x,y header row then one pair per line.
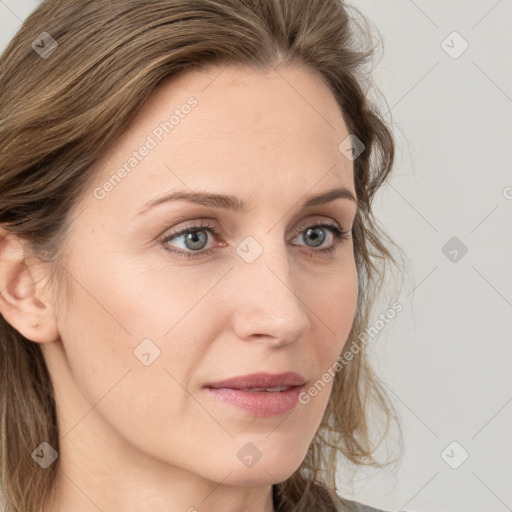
x,y
261,382
259,394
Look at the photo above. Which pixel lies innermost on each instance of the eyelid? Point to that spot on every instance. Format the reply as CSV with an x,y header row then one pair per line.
x,y
313,221
193,225
214,224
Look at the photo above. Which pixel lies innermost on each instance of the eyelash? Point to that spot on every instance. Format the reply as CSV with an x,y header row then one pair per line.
x,y
339,236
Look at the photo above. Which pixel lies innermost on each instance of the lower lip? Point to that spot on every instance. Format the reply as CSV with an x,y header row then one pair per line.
x,y
259,403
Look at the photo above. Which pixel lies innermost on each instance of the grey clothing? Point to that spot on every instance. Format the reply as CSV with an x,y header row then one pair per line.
x,y
327,500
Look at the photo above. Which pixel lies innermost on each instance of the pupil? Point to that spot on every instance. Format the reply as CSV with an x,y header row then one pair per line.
x,y
194,238
317,240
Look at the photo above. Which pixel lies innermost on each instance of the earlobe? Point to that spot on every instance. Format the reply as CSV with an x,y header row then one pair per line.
x,y
23,300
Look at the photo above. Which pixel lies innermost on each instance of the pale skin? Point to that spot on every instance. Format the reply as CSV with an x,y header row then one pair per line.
x,y
147,438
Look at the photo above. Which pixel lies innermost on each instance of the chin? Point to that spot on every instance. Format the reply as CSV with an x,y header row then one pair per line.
x,y
277,466
266,474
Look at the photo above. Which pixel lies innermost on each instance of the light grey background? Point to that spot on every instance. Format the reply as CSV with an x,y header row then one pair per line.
x,y
446,359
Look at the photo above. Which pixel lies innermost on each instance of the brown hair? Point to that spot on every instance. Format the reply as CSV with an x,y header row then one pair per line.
x,y
59,114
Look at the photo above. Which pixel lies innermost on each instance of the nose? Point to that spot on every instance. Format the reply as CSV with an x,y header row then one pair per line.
x,y
267,306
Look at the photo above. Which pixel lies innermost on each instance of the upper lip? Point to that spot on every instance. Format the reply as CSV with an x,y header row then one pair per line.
x,y
260,380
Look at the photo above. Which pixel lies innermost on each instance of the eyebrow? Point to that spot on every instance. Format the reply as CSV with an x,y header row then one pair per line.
x,y
229,202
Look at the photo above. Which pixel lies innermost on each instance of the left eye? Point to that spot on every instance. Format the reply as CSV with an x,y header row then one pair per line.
x,y
195,238
317,233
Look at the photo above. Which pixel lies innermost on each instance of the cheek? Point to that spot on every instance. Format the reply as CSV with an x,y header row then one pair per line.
x,y
334,306
131,325
108,337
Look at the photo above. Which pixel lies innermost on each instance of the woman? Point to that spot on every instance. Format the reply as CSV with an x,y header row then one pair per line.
x,y
171,339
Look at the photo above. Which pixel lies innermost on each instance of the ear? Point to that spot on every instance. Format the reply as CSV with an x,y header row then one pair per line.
x,y
24,301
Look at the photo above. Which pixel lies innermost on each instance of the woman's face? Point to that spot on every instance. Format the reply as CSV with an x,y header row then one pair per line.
x,y
152,322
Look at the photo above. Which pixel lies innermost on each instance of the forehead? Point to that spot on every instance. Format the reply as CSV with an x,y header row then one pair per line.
x,y
242,126
245,101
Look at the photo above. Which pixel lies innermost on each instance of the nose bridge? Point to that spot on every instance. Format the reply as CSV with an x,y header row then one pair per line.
x,y
266,296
